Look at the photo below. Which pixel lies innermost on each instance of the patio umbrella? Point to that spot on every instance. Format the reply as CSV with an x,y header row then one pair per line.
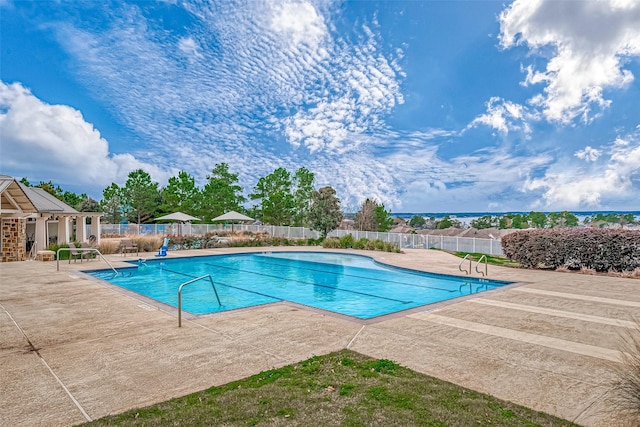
x,y
178,217
232,216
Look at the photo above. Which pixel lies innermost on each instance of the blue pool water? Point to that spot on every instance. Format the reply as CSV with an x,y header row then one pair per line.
x,y
348,284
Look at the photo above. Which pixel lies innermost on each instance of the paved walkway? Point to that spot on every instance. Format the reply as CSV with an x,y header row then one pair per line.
x,y
73,348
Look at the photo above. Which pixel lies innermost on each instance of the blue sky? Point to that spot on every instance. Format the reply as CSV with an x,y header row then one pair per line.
x,y
427,106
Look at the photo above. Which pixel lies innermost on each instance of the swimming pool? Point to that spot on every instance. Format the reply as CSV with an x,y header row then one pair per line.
x,y
352,285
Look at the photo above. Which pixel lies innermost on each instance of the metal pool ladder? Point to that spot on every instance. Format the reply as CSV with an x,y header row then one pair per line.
x,y
180,294
462,262
484,273
466,257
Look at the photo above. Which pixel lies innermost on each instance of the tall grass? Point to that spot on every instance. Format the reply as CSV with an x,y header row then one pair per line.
x,y
627,387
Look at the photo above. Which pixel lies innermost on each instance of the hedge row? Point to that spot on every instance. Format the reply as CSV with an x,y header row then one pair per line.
x,y
602,250
349,242
209,241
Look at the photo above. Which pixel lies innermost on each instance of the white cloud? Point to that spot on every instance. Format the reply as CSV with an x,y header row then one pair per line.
x,y
361,87
44,141
427,182
190,48
611,180
505,116
589,41
589,154
278,81
298,23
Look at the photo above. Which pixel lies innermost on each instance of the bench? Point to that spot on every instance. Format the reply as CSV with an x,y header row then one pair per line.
x,y
126,245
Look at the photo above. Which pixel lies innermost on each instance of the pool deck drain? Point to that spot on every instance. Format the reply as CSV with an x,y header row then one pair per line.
x,y
79,346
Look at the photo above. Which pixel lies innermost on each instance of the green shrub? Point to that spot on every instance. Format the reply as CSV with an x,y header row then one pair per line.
x,y
360,243
391,247
64,255
370,245
314,242
347,241
331,243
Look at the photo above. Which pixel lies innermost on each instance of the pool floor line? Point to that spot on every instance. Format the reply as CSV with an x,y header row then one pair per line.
x,y
177,272
313,284
250,291
357,277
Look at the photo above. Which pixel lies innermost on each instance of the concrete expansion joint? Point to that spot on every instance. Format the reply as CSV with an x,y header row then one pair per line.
x,y
355,336
235,339
581,297
557,313
33,349
527,337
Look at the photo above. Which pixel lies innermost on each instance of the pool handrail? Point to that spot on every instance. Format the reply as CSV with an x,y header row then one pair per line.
x,y
187,283
485,272
83,250
33,252
462,262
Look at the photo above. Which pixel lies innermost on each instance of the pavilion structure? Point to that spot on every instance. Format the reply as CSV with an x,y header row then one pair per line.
x,y
32,219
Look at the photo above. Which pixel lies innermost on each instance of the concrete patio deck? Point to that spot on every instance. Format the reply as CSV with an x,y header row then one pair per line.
x,y
73,348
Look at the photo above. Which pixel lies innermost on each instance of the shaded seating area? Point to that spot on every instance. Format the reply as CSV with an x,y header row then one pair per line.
x,y
126,245
75,254
87,253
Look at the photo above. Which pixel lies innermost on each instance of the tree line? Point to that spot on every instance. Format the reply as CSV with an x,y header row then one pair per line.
x,y
550,220
280,198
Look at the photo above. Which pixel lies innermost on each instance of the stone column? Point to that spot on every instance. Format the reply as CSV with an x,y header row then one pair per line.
x,y
63,229
81,228
95,227
14,239
41,231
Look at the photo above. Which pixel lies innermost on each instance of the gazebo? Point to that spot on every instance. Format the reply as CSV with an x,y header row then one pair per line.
x,y
31,216
15,207
53,222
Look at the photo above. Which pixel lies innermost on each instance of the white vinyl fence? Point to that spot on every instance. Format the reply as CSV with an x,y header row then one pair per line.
x,y
418,241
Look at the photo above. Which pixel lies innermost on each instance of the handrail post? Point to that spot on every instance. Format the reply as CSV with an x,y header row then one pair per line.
x,y
215,291
486,271
180,295
180,307
83,250
33,251
462,262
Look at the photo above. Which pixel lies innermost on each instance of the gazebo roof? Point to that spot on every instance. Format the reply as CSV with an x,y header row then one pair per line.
x,y
17,198
13,198
47,203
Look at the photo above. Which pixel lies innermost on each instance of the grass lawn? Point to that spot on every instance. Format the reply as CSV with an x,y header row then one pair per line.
x,y
339,389
491,259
